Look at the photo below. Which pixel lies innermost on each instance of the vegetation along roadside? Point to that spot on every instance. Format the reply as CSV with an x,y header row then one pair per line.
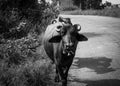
x,y
21,25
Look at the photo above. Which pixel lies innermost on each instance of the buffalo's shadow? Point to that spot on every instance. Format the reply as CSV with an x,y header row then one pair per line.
x,y
104,82
100,65
91,34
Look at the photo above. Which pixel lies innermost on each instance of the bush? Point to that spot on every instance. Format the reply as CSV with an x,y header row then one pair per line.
x,y
17,21
71,8
21,26
20,65
112,12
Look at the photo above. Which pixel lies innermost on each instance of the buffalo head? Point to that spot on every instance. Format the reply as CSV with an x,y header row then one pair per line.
x,y
68,35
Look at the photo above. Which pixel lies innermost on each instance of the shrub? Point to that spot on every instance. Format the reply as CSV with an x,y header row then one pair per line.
x,y
71,8
20,65
17,21
112,12
21,26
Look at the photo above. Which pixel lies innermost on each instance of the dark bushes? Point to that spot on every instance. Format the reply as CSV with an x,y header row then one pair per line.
x,y
21,17
112,12
21,25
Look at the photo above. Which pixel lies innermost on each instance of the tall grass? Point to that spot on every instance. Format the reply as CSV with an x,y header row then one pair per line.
x,y
20,65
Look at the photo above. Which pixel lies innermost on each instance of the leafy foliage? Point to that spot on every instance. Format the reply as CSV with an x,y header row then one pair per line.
x,y
112,12
21,26
19,17
76,2
87,4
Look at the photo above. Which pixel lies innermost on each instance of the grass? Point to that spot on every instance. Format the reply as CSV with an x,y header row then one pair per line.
x,y
112,12
20,65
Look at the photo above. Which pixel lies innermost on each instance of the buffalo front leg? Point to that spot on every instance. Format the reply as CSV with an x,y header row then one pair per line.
x,y
65,73
63,76
57,76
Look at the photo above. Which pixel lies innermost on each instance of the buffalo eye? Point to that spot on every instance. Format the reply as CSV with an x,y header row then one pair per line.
x,y
73,33
63,32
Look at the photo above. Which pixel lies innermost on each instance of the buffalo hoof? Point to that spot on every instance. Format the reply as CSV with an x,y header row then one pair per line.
x,y
64,83
57,79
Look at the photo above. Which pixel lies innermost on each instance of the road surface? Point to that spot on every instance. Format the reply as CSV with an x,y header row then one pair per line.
x,y
97,61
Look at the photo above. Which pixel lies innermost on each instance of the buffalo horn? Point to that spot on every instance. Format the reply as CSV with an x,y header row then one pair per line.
x,y
78,27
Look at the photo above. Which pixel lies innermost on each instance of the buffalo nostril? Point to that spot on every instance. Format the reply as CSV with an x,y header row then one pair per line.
x,y
67,46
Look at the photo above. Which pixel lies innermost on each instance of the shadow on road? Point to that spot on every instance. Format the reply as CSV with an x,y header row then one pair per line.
x,y
91,34
100,65
105,82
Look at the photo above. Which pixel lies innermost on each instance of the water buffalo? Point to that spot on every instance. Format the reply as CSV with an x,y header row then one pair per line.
x,y
60,42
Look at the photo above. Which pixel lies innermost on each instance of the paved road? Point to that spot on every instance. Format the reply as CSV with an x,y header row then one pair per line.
x,y
97,61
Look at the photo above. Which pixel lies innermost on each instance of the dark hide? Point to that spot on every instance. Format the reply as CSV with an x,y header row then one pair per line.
x,y
61,47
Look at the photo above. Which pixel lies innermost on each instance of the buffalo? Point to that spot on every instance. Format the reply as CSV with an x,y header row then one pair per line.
x,y
60,41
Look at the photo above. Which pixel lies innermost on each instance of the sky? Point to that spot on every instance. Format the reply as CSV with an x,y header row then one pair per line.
x,y
112,1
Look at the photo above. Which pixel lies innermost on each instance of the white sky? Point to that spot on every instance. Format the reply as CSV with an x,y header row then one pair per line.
x,y
112,1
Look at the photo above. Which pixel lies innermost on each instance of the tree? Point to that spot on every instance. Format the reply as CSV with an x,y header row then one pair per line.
x,y
87,4
77,2
29,12
107,3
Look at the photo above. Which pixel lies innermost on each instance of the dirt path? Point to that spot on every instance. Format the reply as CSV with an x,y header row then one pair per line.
x,y
97,61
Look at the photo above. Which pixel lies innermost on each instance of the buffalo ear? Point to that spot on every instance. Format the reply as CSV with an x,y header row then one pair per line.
x,y
60,19
55,39
81,37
